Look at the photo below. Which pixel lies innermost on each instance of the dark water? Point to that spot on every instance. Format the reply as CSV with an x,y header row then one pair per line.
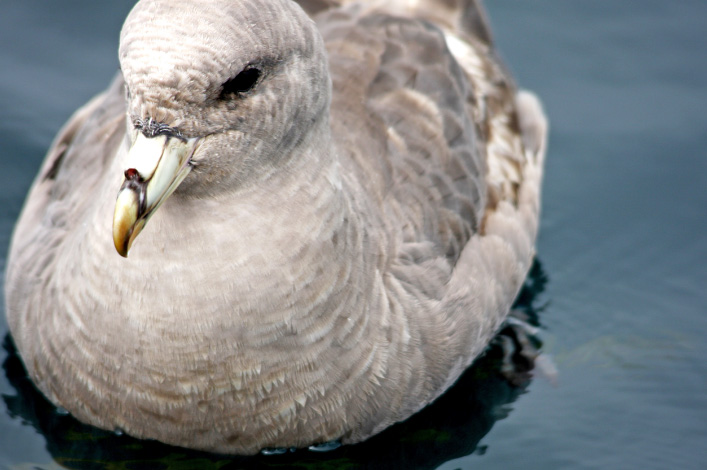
x,y
623,245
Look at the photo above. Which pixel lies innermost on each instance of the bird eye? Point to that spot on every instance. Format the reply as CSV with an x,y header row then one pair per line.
x,y
241,83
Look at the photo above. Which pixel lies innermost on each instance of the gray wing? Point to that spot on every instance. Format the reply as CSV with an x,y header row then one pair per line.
x,y
444,151
424,157
451,156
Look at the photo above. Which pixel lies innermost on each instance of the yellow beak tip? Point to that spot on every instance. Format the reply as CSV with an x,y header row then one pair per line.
x,y
125,221
122,250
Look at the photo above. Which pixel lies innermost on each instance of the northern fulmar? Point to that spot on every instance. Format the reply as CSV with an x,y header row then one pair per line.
x,y
343,202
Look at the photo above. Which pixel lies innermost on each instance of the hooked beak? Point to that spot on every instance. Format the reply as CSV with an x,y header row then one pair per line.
x,y
155,167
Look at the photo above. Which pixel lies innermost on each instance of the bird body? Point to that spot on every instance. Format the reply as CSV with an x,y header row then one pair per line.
x,y
352,212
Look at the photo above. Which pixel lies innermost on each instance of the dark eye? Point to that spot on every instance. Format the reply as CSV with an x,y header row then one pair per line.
x,y
241,83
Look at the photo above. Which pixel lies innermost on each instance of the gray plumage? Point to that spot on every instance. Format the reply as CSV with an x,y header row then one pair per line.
x,y
351,235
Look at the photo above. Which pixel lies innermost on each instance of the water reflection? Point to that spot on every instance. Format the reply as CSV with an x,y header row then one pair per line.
x,y
449,428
